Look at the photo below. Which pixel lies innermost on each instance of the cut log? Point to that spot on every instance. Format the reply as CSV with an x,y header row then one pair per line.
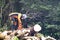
x,y
1,36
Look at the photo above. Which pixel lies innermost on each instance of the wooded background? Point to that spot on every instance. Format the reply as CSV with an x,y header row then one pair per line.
x,y
44,12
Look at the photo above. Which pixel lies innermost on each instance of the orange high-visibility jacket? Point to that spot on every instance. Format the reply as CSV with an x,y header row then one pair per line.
x,y
19,19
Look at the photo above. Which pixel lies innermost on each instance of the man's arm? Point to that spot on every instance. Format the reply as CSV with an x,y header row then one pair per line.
x,y
19,22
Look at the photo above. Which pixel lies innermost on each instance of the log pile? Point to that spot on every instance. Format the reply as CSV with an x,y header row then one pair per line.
x,y
24,34
7,35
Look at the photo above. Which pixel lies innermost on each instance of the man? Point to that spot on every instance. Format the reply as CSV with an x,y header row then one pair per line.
x,y
16,20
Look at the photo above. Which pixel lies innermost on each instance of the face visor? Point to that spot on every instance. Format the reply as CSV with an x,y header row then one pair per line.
x,y
24,16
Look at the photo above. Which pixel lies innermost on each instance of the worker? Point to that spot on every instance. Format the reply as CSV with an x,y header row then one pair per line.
x,y
16,20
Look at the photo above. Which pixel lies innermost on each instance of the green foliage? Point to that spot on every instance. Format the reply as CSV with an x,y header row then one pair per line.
x,y
15,38
0,22
0,2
